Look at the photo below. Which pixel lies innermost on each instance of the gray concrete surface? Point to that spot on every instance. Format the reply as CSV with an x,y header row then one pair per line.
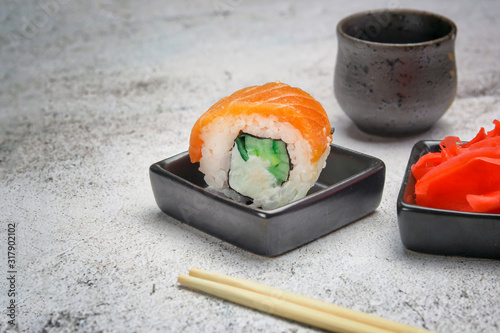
x,y
93,93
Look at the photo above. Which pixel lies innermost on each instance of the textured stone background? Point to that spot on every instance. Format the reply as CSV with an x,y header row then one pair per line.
x,y
91,94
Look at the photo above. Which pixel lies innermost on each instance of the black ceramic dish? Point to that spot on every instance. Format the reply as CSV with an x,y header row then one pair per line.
x,y
440,231
349,188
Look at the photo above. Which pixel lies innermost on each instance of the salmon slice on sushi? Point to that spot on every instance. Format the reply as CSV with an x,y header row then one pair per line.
x,y
263,144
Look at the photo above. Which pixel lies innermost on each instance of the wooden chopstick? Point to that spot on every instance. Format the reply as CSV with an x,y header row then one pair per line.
x,y
278,307
289,305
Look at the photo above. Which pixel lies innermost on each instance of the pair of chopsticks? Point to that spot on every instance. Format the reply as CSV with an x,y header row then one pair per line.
x,y
289,305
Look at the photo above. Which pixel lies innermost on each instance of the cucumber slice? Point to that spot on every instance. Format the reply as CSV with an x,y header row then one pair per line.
x,y
279,148
280,172
240,143
268,150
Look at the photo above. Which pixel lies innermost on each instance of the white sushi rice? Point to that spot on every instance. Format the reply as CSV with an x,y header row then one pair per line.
x,y
215,163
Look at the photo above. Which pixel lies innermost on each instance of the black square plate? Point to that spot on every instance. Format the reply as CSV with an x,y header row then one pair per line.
x,y
440,231
349,187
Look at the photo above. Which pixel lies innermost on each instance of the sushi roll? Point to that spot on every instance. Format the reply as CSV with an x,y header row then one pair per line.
x,y
264,145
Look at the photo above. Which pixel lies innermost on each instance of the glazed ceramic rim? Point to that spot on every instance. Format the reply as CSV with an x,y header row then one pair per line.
x,y
450,35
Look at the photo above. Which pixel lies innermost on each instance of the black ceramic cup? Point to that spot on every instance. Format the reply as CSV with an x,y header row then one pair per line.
x,y
395,73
